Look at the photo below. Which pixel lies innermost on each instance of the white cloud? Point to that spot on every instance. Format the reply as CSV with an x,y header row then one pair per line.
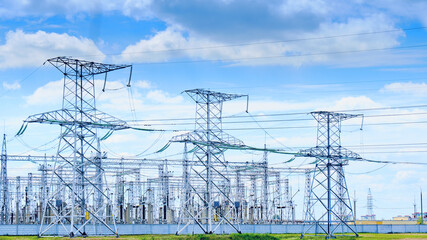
x,y
47,8
348,103
138,9
401,8
419,89
163,97
32,49
121,138
316,19
178,44
142,84
407,69
116,100
11,86
49,94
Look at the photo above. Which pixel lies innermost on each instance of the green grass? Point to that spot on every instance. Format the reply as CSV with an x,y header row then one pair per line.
x,y
363,236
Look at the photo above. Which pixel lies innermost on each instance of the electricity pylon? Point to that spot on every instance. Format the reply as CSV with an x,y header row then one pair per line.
x,y
217,206
370,205
4,197
328,207
70,206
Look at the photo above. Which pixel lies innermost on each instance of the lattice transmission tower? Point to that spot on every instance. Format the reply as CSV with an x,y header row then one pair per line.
x,y
328,207
79,155
370,206
4,195
208,184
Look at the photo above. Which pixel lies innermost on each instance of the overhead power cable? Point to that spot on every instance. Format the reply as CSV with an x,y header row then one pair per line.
x,y
269,42
289,127
25,78
287,114
314,126
389,162
288,56
275,120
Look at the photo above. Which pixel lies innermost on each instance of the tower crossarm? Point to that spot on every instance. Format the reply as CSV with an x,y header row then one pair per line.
x,y
75,67
333,116
335,153
223,139
68,117
202,95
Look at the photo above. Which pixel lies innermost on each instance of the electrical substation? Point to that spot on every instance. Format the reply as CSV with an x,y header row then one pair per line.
x,y
82,191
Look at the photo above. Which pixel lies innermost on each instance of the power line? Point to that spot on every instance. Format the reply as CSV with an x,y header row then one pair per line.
x,y
25,78
300,127
286,56
403,151
271,42
274,120
332,83
288,114
371,171
376,145
349,125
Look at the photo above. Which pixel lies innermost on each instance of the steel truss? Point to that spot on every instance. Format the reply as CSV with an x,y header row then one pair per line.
x,y
78,151
216,205
328,208
4,195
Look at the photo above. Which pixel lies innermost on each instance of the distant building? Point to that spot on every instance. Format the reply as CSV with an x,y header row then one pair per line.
x,y
417,215
402,218
414,217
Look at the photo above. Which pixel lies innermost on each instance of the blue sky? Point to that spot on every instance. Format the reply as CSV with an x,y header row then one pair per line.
x,y
289,56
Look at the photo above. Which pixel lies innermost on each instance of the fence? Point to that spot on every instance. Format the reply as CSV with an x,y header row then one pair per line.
x,y
138,229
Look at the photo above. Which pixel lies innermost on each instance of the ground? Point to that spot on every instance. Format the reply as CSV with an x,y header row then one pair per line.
x,y
363,236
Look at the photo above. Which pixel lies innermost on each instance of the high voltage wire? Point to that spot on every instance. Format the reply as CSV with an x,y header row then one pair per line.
x,y
377,145
266,42
349,125
287,56
333,83
298,127
277,120
290,114
403,151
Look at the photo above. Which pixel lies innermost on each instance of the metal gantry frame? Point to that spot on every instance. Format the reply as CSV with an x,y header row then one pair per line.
x,y
79,120
146,206
328,207
215,191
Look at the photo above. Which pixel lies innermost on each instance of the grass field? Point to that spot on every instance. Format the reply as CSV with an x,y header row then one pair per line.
x,y
363,236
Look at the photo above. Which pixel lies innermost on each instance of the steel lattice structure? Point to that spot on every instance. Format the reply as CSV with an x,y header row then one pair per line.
x,y
4,197
78,151
216,188
140,199
328,208
370,206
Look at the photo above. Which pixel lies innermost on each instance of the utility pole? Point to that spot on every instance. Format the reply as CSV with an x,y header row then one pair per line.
x,y
422,213
329,201
354,204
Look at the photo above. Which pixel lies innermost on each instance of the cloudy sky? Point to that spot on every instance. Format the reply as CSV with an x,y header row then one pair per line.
x,y
290,56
